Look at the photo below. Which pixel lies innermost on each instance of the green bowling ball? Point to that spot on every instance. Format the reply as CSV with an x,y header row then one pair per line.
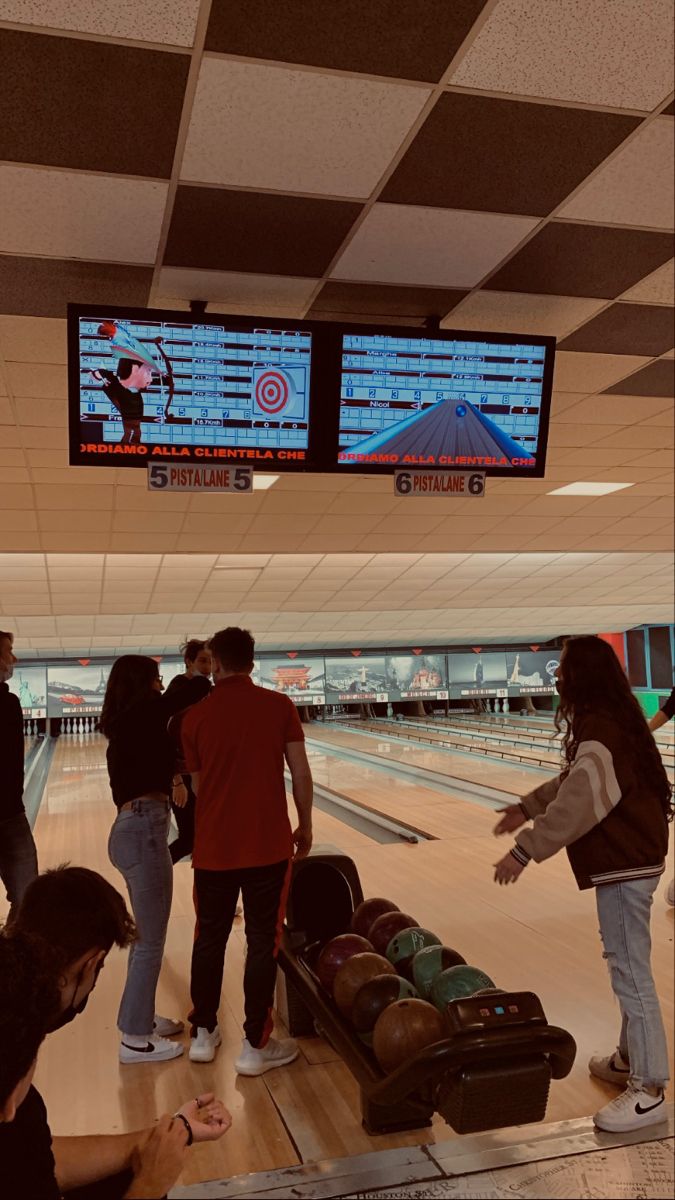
x,y
429,962
457,982
403,947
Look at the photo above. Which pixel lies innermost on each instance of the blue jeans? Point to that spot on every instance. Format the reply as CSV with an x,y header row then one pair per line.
x,y
138,848
624,910
18,858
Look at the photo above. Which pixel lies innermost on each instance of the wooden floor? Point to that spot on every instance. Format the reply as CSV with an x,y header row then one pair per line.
x,y
539,935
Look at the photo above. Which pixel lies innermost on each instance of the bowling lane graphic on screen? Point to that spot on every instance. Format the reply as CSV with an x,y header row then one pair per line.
x,y
191,388
355,679
29,683
482,674
302,679
456,403
417,677
532,672
76,689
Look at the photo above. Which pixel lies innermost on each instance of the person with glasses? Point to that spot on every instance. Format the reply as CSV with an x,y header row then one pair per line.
x,y
141,758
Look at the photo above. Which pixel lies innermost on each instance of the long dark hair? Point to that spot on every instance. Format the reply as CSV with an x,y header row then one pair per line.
x,y
131,679
592,680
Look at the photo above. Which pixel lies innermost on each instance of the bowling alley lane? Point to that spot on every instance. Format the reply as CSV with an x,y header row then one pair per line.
x,y
540,936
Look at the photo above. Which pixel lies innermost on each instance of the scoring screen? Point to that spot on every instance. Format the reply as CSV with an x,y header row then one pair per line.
x,y
443,403
151,388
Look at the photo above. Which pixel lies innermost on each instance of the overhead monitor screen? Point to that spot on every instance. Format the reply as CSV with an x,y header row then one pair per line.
x,y
165,388
76,688
461,402
417,677
352,679
301,678
532,672
477,674
29,683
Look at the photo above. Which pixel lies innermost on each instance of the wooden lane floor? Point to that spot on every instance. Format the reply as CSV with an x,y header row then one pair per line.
x,y
426,809
509,777
540,935
457,740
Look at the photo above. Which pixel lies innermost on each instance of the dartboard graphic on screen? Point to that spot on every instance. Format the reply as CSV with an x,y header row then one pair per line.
x,y
278,392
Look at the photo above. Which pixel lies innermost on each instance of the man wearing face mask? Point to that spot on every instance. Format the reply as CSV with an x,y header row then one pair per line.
x,y
18,856
76,916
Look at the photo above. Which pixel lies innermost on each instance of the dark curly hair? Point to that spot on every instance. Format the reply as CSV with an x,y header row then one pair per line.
x,y
130,679
191,648
592,680
29,1000
74,910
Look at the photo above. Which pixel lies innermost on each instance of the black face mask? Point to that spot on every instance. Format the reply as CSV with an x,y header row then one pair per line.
x,y
69,1013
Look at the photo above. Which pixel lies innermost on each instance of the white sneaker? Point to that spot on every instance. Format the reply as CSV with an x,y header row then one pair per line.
x,y
633,1109
613,1068
156,1049
670,894
203,1047
165,1027
254,1061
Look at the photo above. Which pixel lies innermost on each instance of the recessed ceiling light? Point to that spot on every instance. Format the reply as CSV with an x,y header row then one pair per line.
x,y
262,482
588,489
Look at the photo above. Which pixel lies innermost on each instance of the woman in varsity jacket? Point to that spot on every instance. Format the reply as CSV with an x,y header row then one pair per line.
x,y
610,809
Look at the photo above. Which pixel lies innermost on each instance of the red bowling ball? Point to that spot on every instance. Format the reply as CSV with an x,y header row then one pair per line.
x,y
386,927
335,953
368,911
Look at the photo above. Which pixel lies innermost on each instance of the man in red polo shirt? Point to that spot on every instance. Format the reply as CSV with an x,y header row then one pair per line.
x,y
236,742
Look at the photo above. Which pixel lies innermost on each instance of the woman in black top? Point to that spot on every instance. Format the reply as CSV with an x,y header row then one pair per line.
x,y
140,759
187,689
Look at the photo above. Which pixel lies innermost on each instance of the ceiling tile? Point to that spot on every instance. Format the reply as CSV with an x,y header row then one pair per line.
x,y
434,246
214,228
385,302
622,328
37,379
79,216
657,288
167,21
227,291
42,287
576,372
262,126
656,379
411,39
33,339
583,260
619,55
517,312
531,155
616,410
53,109
636,186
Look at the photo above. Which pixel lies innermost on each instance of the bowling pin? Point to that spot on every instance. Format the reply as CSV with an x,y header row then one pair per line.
x,y
66,725
35,728
81,726
506,706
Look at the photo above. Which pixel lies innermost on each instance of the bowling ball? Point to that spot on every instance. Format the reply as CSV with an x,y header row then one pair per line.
x,y
386,927
456,982
429,962
352,975
107,329
405,1028
335,953
375,996
368,911
405,945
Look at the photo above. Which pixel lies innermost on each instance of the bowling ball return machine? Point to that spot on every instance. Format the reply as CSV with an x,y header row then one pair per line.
x,y
493,1069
